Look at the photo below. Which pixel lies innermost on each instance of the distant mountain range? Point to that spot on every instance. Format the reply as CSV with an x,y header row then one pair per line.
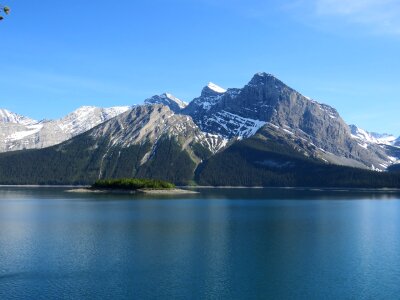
x,y
265,133
18,132
367,138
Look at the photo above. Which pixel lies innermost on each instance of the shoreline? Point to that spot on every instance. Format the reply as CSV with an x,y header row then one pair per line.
x,y
134,192
189,189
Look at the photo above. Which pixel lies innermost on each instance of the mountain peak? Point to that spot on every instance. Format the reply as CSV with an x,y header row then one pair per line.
x,y
261,78
174,103
264,74
7,116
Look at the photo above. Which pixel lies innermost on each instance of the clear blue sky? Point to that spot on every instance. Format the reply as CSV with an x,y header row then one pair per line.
x,y
59,55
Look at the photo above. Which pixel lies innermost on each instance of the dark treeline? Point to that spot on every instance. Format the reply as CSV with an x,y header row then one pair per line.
x,y
251,162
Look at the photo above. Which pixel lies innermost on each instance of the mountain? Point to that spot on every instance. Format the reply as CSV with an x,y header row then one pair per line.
x,y
265,133
169,100
18,132
267,102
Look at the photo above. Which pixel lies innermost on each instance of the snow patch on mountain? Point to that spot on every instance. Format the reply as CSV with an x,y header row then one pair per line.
x,y
216,88
181,104
215,142
19,135
110,112
233,125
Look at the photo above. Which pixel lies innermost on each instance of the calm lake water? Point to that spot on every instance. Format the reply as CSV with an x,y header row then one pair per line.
x,y
219,244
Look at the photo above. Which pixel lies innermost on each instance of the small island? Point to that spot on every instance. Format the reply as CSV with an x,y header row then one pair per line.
x,y
133,186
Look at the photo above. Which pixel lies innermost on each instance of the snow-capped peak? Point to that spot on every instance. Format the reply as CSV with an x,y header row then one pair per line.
x,y
181,104
7,116
216,88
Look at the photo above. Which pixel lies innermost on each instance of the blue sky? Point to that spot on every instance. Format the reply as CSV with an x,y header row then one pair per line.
x,y
57,56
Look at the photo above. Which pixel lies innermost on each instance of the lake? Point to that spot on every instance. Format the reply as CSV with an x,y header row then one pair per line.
x,y
219,244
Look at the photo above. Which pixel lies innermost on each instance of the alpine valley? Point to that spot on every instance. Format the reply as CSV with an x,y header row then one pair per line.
x,y
264,134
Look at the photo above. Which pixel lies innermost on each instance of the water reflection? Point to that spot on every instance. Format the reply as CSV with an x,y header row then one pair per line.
x,y
220,244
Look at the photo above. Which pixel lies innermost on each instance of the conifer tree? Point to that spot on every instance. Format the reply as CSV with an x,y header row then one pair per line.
x,y
4,10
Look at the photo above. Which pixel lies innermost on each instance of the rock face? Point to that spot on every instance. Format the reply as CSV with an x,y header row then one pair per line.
x,y
169,100
267,101
18,132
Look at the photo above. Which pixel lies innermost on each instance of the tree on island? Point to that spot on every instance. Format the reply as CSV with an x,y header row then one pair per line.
x,y
132,184
4,10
